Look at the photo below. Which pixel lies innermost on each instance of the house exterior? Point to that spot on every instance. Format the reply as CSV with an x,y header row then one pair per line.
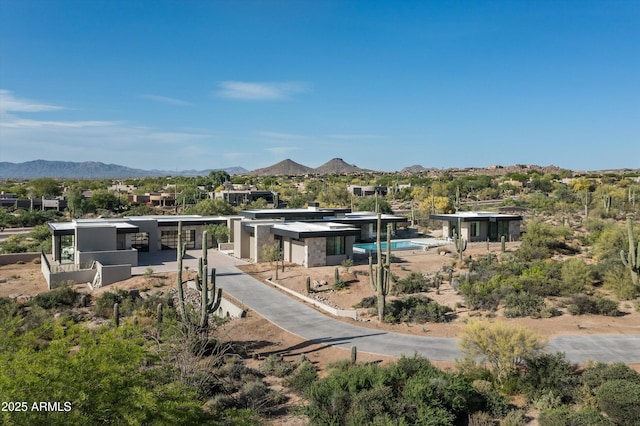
x,y
236,197
106,249
480,226
367,190
310,237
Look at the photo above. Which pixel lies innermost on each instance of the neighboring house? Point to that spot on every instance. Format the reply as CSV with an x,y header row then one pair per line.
x,y
103,251
310,237
154,199
480,226
45,203
236,197
365,191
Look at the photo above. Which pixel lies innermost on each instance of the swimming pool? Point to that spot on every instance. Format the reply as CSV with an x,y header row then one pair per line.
x,y
399,245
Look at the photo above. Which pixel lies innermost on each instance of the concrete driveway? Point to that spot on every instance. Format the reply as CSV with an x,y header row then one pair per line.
x,y
304,321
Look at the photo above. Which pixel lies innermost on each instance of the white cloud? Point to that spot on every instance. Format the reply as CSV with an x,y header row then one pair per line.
x,y
9,103
166,100
256,91
15,123
281,150
355,136
278,135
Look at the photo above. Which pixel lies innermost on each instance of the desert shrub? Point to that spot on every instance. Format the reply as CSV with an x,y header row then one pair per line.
x,y
275,365
581,304
104,303
255,395
480,419
302,377
514,418
576,276
542,278
567,416
367,302
522,304
416,282
409,391
619,281
416,309
62,297
619,399
599,373
549,373
339,284
486,294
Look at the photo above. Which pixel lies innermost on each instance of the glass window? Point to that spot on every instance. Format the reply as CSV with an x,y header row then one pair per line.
x,y
475,229
335,245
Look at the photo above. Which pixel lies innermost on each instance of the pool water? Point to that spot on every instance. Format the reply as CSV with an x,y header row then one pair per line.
x,y
421,244
394,245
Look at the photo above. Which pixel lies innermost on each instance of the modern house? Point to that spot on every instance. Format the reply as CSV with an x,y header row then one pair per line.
x,y
103,251
310,237
480,226
236,197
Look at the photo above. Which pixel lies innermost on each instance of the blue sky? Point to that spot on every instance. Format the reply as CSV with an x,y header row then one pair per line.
x,y
177,85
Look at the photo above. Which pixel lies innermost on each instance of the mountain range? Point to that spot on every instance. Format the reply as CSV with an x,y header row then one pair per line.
x,y
91,170
288,167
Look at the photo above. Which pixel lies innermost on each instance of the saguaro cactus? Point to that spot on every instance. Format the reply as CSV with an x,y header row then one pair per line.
x,y
461,243
632,259
503,243
209,298
159,313
380,280
116,314
354,354
308,285
606,202
586,200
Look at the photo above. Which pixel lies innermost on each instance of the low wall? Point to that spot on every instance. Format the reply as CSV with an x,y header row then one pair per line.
x,y
227,309
8,259
333,311
81,276
110,274
113,257
225,246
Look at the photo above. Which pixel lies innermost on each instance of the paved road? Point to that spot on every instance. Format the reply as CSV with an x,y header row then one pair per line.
x,y
304,321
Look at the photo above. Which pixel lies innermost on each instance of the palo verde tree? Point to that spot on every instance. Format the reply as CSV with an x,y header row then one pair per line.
x,y
503,346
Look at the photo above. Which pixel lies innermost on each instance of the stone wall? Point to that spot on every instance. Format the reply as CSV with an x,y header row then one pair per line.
x,y
316,252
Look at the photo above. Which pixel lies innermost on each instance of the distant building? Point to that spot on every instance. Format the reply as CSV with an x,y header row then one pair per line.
x,y
365,191
236,197
480,226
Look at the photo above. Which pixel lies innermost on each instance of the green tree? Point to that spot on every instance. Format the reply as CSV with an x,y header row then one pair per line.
x,y
219,232
211,207
369,205
620,400
45,187
576,276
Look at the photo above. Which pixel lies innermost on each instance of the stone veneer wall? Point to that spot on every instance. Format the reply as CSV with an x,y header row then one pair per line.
x,y
316,252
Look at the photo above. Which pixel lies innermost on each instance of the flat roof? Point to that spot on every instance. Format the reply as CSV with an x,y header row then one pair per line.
x,y
313,229
475,216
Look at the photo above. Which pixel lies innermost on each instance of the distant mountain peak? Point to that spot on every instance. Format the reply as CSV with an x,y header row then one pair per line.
x,y
337,166
286,167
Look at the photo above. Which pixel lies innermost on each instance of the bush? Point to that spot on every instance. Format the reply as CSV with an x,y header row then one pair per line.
x,y
581,304
566,416
367,302
104,303
522,304
549,373
274,365
415,282
620,400
302,377
63,297
416,309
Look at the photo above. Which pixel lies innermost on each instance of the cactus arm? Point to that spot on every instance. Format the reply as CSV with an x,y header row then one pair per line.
x,y
180,255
